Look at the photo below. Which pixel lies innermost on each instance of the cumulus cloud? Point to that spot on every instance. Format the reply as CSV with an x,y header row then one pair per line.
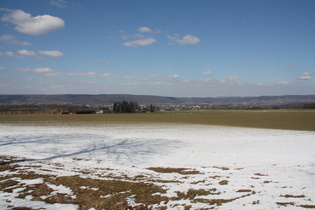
x,y
54,53
140,42
207,73
144,30
12,40
26,52
37,25
186,40
2,68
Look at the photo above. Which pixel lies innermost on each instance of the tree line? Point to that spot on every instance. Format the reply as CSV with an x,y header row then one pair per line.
x,y
125,107
130,107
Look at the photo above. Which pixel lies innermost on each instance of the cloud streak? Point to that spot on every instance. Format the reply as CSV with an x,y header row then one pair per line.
x,y
59,3
145,30
22,53
305,76
186,40
54,53
37,70
26,52
208,73
50,72
139,42
12,40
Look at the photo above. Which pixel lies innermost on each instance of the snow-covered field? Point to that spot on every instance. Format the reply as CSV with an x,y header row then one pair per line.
x,y
243,168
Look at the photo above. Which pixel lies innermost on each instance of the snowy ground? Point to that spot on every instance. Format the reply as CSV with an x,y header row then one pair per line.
x,y
196,166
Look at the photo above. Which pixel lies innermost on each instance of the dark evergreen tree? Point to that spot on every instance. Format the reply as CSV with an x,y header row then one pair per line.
x,y
125,107
152,108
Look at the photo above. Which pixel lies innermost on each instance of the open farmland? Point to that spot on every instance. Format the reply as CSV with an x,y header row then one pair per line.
x,y
271,119
186,160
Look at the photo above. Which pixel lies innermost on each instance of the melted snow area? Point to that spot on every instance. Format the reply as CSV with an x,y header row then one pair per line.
x,y
247,168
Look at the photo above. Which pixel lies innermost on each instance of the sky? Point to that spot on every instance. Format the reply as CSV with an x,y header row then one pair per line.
x,y
179,48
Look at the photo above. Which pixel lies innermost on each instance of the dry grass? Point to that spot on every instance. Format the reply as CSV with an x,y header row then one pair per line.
x,y
114,192
222,168
244,190
192,193
184,171
307,206
224,182
285,203
259,174
292,196
35,190
105,193
273,119
89,193
111,193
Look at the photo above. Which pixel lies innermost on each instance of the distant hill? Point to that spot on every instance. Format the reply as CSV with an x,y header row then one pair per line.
x,y
81,99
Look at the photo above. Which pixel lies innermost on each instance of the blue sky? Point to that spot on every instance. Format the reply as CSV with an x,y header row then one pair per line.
x,y
203,48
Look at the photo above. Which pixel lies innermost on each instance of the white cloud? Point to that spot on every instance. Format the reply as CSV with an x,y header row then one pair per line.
x,y
235,78
42,70
128,77
24,69
188,39
283,83
230,80
2,68
7,53
207,73
144,30
140,42
37,25
106,75
12,40
59,3
26,52
53,73
10,54
83,74
54,53
305,76
174,76
37,70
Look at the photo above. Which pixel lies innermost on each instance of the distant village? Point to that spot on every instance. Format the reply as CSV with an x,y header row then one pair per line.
x,y
133,107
